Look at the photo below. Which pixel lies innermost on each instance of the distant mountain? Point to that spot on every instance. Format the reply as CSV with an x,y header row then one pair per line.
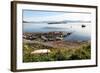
x,y
25,22
58,22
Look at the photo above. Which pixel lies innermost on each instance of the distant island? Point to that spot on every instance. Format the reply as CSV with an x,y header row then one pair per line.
x,y
53,28
58,22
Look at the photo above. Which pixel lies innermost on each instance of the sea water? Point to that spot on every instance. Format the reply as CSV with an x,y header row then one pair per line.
x,y
79,33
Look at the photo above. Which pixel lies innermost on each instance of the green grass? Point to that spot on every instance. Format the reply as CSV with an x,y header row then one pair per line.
x,y
56,54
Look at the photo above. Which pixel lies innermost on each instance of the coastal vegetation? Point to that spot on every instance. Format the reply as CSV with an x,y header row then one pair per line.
x,y
56,53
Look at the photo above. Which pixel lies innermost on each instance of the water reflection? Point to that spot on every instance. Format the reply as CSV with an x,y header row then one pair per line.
x,y
79,32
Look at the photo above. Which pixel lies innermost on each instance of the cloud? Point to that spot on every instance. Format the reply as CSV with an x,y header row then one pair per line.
x,y
61,17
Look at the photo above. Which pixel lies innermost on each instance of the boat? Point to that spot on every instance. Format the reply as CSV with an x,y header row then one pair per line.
x,y
83,26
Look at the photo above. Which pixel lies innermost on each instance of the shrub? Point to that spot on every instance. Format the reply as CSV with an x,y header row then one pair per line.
x,y
56,54
81,53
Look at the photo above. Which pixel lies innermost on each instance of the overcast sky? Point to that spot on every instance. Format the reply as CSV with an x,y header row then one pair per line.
x,y
32,15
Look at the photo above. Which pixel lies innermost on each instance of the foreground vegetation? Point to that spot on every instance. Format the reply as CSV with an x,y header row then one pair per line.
x,y
56,54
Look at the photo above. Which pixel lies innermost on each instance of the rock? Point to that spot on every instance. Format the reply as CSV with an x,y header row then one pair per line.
x,y
41,51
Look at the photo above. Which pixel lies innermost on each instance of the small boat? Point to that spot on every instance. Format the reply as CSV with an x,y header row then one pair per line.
x,y
83,26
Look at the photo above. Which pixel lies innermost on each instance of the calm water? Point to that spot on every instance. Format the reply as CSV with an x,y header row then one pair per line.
x,y
78,33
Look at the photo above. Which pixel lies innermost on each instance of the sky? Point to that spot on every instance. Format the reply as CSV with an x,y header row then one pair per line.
x,y
36,15
30,13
